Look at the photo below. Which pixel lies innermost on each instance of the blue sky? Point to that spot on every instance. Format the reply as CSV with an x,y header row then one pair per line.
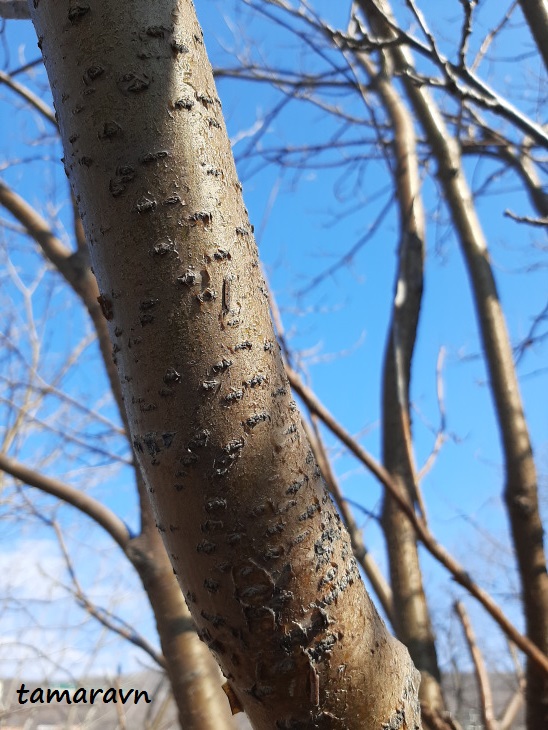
x,y
339,326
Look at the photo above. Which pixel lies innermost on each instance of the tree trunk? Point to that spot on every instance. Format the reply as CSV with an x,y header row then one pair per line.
x,y
536,15
521,493
195,679
268,570
410,607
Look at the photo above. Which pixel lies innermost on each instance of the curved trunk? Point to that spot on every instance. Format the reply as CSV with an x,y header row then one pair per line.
x,y
250,529
193,674
411,613
521,492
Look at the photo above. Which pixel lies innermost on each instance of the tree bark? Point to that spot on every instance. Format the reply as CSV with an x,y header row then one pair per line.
x,y
536,15
521,492
268,570
410,608
194,677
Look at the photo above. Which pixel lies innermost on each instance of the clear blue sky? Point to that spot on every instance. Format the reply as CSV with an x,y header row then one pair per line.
x,y
304,226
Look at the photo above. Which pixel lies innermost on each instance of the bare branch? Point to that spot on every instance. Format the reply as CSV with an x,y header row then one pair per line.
x,y
540,222
106,618
440,434
29,97
83,502
482,675
459,574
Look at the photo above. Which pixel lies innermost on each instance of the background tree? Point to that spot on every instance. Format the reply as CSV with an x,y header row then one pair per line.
x,y
369,85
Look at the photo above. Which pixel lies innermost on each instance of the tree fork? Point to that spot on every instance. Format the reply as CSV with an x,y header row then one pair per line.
x,y
252,534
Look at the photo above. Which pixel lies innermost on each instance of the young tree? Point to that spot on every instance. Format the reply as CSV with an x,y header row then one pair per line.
x,y
264,561
256,544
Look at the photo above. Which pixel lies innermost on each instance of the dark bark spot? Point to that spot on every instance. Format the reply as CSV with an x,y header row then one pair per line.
x,y
183,103
172,200
245,345
188,278
210,384
213,619
109,130
206,547
295,486
200,217
145,205
134,82
233,396
212,586
216,504
178,47
189,458
156,31
257,418
106,307
153,157
162,248
205,99
221,366
254,381
200,439
212,526
172,376
274,553
207,295
77,11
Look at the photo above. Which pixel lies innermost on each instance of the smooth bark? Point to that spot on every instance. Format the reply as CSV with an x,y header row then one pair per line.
x,y
194,677
536,15
521,492
410,608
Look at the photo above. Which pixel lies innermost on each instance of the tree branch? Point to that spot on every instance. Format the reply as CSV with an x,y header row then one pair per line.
x,y
81,501
482,676
460,575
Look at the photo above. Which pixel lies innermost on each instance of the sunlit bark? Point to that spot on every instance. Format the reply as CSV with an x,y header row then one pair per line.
x,y
267,568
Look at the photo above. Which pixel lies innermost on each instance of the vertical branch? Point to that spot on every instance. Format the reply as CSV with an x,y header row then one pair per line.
x,y
413,622
482,676
521,492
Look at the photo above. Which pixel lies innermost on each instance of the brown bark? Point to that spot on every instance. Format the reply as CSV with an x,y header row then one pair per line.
x,y
521,492
194,677
536,15
480,670
411,613
370,568
268,570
